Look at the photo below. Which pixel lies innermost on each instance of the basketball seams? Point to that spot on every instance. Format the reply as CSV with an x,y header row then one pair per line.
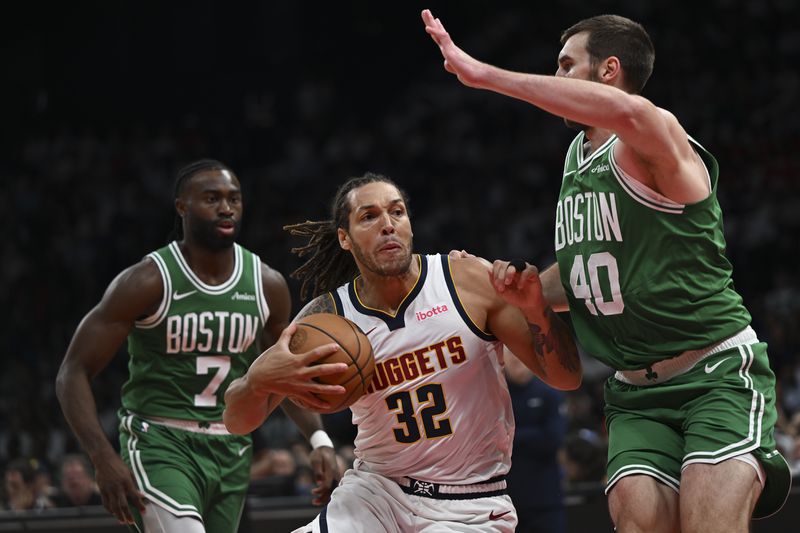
x,y
345,350
355,360
358,338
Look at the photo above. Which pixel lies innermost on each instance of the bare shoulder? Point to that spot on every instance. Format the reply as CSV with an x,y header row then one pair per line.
x,y
142,276
279,300
475,290
272,279
321,304
471,274
137,290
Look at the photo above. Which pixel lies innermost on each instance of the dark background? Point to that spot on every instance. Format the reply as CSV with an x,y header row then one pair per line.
x,y
102,102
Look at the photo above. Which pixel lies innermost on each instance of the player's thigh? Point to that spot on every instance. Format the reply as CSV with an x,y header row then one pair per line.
x,y
488,514
158,458
644,460
643,442
736,415
718,497
364,503
158,520
227,466
224,512
642,503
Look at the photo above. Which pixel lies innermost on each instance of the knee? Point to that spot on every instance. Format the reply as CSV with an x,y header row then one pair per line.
x,y
640,503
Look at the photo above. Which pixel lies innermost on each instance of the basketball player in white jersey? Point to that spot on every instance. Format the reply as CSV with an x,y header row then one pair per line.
x,y
435,429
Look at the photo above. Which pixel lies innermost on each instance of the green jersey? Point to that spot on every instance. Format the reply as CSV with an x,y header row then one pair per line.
x,y
184,356
646,278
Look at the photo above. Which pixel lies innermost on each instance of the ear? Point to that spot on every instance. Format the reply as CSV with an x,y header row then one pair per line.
x,y
610,71
344,239
180,207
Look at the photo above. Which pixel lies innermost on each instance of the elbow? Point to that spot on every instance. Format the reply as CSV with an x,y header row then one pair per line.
x,y
569,383
574,382
572,378
234,425
63,383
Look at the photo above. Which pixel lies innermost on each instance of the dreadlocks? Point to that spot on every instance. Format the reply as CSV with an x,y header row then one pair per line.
x,y
184,175
329,265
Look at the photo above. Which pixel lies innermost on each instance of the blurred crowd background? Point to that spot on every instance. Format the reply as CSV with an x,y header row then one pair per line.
x,y
102,102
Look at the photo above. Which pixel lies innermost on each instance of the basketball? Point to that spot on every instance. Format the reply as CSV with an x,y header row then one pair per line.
x,y
317,330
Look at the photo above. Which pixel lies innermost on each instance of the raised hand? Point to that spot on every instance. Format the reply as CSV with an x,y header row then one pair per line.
x,y
456,61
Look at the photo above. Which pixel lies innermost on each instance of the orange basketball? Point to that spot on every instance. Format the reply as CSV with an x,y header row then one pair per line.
x,y
326,328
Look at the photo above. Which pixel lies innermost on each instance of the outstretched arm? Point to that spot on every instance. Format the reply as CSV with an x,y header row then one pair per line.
x,y
655,147
547,347
522,320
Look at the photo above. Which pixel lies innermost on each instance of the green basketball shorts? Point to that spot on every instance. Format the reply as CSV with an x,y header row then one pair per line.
x,y
721,407
189,468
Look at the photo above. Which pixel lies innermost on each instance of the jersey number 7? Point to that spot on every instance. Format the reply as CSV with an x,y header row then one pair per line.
x,y
208,398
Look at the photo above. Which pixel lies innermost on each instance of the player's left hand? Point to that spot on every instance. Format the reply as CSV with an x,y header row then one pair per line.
x,y
326,474
518,283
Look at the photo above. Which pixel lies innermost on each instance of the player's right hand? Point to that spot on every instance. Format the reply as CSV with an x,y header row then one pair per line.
x,y
518,284
456,61
279,371
118,488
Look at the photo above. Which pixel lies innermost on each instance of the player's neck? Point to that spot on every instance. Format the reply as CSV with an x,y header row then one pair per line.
x,y
211,266
386,293
596,137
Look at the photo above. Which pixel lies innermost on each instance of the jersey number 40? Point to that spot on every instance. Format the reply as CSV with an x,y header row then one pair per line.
x,y
590,288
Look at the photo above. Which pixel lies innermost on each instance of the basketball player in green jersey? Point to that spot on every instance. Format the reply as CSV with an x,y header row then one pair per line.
x,y
194,313
641,268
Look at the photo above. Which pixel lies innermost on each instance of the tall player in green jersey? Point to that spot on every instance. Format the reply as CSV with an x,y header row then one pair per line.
x,y
641,268
194,313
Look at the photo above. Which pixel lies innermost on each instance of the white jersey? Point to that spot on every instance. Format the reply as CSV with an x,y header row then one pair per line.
x,y
438,408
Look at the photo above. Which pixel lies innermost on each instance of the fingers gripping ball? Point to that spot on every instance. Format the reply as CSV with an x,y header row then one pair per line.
x,y
318,330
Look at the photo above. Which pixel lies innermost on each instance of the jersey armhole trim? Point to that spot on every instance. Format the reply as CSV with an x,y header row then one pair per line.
x,y
155,319
639,192
261,299
451,287
338,308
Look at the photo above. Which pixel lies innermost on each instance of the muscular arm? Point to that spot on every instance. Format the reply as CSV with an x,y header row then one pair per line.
x,y
134,293
531,330
654,149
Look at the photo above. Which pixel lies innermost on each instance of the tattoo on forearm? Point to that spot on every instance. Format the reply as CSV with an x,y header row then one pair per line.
x,y
540,345
320,304
558,340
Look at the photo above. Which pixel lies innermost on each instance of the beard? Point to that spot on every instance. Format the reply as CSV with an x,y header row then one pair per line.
x,y
204,233
391,269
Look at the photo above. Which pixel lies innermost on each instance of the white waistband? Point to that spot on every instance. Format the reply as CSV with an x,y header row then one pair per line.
x,y
195,426
667,369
